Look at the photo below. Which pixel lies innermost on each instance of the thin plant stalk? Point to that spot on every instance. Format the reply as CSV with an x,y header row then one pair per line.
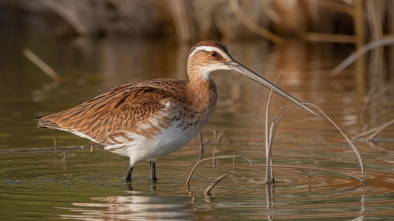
x,y
207,191
210,158
311,168
42,65
374,131
347,139
269,171
252,26
275,124
385,41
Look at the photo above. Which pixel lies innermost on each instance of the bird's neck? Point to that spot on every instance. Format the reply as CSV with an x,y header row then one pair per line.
x,y
201,92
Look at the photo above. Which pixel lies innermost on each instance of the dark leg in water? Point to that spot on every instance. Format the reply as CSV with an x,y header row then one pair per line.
x,y
128,174
152,175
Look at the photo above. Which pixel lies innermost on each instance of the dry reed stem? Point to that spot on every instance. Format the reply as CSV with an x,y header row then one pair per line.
x,y
374,131
207,191
274,125
385,41
347,139
213,157
69,15
317,169
269,136
310,36
335,6
372,95
310,178
234,5
359,29
181,17
365,105
41,64
210,158
269,173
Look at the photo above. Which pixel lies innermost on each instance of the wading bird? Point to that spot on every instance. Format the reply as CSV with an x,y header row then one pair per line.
x,y
150,119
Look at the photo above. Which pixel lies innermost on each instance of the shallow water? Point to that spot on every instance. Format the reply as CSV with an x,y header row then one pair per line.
x,y
42,180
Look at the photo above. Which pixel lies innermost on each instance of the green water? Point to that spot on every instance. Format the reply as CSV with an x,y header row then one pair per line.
x,y
40,180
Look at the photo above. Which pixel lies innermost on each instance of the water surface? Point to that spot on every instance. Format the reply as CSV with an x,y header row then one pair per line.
x,y
41,180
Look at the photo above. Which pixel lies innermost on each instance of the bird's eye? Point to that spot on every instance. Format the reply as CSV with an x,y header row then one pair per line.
x,y
213,53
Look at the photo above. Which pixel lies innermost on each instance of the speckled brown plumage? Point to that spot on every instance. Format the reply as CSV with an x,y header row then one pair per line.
x,y
123,107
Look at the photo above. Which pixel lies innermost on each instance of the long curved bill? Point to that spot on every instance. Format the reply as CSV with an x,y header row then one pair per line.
x,y
236,66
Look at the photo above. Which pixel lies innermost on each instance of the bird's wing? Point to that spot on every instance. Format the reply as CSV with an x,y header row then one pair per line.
x,y
123,108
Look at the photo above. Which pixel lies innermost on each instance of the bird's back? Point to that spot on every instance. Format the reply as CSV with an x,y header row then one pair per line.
x,y
126,107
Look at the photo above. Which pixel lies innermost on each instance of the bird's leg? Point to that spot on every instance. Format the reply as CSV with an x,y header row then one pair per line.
x,y
152,175
129,187
128,174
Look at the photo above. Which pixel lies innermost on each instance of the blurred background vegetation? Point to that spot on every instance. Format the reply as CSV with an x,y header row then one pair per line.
x,y
346,21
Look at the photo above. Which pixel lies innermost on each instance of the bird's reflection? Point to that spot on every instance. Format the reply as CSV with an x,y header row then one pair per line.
x,y
136,205
270,193
152,186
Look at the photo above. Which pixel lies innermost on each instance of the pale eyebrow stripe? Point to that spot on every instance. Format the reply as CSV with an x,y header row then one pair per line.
x,y
208,48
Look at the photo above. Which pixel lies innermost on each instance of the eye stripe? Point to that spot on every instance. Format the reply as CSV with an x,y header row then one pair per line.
x,y
209,49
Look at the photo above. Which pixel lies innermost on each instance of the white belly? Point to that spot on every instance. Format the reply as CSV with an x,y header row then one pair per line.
x,y
143,148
